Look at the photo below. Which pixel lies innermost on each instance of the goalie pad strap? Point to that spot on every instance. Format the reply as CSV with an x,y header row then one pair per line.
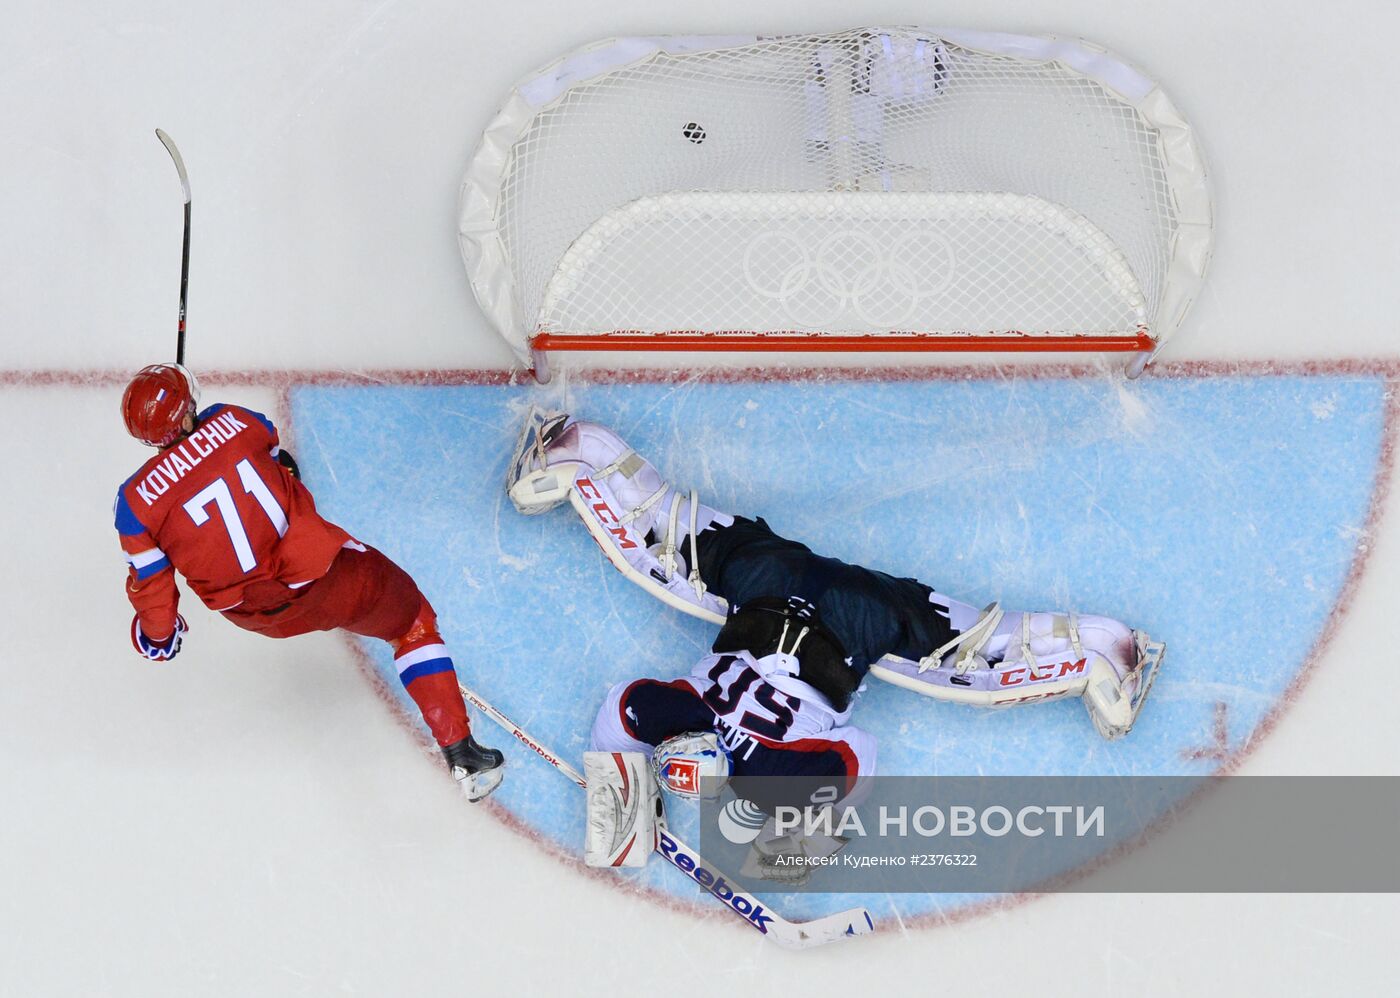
x,y
646,503
971,642
694,578
668,556
625,546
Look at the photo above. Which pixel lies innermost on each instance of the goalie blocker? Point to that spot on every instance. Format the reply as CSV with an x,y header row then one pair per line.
x,y
625,814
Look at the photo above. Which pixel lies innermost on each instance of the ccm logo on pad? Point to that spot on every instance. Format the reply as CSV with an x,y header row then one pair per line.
x,y
603,511
1040,673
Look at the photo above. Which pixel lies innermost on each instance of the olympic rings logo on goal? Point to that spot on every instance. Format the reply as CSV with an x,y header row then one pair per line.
x,y
849,276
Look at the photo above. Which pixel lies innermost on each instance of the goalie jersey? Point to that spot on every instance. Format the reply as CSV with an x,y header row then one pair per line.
x,y
771,723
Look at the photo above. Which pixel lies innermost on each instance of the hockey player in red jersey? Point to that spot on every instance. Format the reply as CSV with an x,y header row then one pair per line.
x,y
224,504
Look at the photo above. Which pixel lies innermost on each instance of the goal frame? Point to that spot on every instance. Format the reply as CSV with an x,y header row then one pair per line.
x,y
489,266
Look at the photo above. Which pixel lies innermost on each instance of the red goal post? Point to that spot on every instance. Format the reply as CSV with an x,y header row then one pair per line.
x,y
874,191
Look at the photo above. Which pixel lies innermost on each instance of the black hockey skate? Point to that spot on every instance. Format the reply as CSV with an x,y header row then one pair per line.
x,y
477,770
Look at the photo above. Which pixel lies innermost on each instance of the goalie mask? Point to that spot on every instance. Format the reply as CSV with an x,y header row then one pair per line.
x,y
774,625
692,765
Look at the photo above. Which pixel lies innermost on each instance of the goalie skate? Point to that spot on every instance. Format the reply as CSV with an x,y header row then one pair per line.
x,y
532,485
1114,702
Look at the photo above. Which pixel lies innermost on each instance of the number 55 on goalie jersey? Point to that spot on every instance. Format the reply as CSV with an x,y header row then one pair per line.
x,y
771,723
218,506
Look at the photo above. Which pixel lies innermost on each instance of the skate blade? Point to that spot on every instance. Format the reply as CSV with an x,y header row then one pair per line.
x,y
479,786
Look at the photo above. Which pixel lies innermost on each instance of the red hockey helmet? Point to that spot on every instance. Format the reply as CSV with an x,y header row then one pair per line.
x,y
157,401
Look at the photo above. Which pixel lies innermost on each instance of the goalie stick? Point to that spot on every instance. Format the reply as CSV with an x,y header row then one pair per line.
x,y
169,144
792,935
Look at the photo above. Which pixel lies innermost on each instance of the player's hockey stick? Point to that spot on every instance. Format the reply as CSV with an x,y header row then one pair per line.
x,y
169,144
793,935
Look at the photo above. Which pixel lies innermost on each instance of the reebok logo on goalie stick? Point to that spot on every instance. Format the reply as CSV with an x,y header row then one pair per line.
x,y
603,512
535,747
538,750
741,903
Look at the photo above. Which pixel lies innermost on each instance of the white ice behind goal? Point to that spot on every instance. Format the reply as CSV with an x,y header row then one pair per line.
x,y
875,190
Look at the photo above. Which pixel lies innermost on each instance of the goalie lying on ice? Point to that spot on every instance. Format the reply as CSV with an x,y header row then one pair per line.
x,y
800,631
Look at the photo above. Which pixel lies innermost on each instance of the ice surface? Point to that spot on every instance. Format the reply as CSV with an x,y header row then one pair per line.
x,y
1219,514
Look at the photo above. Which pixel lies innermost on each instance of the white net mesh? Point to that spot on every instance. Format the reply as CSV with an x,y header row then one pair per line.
x,y
883,181
842,263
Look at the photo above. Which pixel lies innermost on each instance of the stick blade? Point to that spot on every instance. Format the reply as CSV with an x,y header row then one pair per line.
x,y
170,147
820,931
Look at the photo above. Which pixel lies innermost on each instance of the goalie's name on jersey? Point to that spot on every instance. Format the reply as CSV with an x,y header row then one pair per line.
x,y
181,459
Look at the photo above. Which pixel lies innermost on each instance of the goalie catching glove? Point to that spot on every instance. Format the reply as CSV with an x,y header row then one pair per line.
x,y
158,651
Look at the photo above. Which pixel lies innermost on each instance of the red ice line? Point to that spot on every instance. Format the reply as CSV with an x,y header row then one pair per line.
x,y
1389,368
1220,734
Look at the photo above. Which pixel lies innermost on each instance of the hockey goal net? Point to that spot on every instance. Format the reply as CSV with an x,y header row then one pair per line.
x,y
876,190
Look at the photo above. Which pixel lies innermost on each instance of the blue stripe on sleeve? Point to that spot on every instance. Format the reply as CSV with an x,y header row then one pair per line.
x,y
429,668
219,407
142,574
262,419
127,523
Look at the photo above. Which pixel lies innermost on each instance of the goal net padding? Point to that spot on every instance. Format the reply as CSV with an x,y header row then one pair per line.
x,y
875,190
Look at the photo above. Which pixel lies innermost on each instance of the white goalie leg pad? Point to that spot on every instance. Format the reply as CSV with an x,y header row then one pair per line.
x,y
625,814
555,449
692,765
656,569
1036,657
621,497
1033,657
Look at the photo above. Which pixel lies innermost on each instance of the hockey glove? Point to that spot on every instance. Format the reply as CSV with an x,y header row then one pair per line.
x,y
290,463
158,651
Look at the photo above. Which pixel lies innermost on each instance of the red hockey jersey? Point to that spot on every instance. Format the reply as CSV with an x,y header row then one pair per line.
x,y
219,507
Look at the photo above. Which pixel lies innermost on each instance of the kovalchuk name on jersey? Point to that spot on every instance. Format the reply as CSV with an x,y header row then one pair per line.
x,y
219,505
